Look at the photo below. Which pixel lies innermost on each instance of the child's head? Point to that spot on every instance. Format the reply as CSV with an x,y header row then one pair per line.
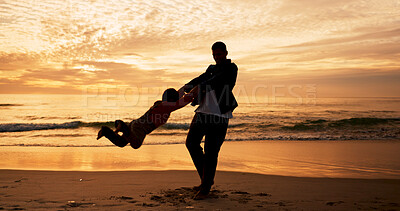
x,y
170,95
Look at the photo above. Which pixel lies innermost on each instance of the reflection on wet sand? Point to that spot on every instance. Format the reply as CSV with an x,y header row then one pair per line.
x,y
351,159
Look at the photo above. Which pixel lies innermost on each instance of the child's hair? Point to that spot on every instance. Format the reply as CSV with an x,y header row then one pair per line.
x,y
170,95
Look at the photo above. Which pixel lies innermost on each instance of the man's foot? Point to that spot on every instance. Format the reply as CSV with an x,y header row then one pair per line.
x,y
202,194
196,188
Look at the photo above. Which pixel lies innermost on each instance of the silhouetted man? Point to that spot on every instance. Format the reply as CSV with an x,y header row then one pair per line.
x,y
216,103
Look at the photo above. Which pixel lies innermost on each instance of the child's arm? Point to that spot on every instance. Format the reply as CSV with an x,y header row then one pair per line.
x,y
187,98
181,91
168,107
184,89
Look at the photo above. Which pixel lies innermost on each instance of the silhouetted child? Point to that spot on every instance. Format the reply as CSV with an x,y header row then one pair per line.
x,y
135,132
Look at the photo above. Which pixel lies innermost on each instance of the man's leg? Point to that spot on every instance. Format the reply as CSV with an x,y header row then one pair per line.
x,y
215,136
112,136
193,140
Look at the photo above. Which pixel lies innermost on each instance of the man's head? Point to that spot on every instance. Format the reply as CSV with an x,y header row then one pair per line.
x,y
170,95
219,52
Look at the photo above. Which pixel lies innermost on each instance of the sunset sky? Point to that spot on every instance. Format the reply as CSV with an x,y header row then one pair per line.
x,y
346,48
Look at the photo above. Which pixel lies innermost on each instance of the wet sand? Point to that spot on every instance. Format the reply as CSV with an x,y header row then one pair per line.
x,y
339,159
171,190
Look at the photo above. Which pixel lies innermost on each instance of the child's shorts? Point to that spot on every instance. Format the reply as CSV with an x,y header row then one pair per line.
x,y
138,131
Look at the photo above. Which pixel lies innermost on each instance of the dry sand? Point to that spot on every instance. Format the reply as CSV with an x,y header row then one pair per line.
x,y
171,190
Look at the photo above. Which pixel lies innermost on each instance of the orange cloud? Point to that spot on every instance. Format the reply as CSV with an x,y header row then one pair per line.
x,y
64,46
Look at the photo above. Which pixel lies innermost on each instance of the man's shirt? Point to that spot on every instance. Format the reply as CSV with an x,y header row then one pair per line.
x,y
209,105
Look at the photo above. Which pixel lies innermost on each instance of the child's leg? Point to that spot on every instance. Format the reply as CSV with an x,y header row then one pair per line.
x,y
136,136
112,136
121,126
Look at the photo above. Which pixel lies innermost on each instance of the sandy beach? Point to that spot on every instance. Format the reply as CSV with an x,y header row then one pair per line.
x,y
294,104
264,175
171,190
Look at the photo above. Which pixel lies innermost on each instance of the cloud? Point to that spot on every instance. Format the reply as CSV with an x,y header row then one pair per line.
x,y
18,61
72,44
375,35
78,75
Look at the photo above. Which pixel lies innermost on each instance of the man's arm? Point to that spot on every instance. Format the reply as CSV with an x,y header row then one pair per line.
x,y
196,81
220,80
187,98
181,91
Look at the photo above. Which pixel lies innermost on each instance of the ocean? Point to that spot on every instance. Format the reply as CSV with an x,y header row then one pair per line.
x,y
73,120
344,137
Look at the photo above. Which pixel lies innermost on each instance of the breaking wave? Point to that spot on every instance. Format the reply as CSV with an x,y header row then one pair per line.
x,y
307,125
342,123
19,127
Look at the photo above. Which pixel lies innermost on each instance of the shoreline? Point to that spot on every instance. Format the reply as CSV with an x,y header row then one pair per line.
x,y
171,190
110,145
